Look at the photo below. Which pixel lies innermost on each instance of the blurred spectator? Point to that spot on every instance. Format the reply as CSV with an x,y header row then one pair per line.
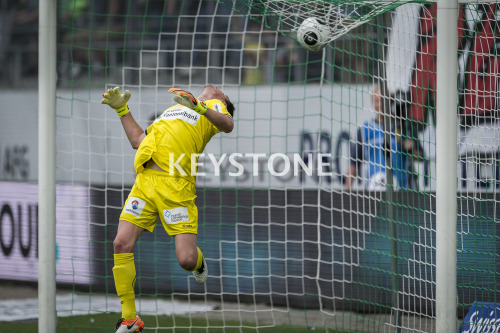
x,y
253,54
19,32
6,10
181,40
286,56
71,12
70,18
162,16
87,30
25,34
370,147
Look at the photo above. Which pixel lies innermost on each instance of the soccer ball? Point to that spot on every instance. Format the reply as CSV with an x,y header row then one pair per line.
x,y
313,34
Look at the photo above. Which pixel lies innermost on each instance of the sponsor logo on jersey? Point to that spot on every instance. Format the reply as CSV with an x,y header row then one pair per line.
x,y
134,206
218,107
176,215
182,113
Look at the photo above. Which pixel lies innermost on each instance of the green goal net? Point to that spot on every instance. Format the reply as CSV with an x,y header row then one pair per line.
x,y
317,212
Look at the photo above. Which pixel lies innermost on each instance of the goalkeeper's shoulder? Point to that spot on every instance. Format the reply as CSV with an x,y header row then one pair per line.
x,y
220,107
219,116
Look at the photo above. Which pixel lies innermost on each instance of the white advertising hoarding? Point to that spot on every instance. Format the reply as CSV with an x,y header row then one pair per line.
x,y
315,122
19,236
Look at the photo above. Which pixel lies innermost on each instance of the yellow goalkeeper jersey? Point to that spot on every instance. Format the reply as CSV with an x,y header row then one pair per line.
x,y
175,137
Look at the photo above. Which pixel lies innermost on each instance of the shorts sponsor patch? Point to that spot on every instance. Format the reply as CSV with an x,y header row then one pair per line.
x,y
134,206
176,215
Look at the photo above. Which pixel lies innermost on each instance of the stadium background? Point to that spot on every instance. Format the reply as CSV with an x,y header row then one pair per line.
x,y
262,208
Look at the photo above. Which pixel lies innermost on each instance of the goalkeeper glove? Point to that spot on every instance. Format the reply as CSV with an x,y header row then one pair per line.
x,y
117,100
187,99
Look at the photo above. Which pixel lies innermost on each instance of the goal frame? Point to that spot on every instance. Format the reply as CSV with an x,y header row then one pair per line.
x,y
47,78
446,170
446,205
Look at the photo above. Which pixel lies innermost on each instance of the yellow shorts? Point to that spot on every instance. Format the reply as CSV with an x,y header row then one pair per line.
x,y
154,194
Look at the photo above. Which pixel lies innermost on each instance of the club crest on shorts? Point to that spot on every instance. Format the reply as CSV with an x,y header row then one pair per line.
x,y
176,215
134,206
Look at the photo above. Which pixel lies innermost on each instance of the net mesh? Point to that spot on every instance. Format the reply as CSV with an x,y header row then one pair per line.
x,y
286,16
288,245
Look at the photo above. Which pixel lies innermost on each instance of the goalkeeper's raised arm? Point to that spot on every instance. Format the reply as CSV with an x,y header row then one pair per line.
x,y
118,101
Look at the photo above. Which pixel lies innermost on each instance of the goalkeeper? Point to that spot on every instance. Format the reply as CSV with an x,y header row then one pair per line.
x,y
165,183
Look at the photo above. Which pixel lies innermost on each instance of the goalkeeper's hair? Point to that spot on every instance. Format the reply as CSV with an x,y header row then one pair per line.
x,y
229,106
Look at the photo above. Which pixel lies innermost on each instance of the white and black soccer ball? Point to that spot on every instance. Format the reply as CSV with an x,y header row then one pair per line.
x,y
313,34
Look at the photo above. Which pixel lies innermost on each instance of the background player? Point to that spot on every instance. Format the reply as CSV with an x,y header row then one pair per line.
x,y
165,183
370,147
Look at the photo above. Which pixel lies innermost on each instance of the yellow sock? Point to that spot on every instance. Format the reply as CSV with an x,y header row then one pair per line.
x,y
124,274
200,259
198,262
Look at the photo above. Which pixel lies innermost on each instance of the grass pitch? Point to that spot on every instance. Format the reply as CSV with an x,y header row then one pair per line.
x,y
105,323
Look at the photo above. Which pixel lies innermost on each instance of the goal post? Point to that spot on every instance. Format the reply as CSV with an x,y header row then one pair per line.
x,y
47,167
286,242
446,171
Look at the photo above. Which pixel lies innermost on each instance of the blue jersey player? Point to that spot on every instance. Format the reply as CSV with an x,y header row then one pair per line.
x,y
369,150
